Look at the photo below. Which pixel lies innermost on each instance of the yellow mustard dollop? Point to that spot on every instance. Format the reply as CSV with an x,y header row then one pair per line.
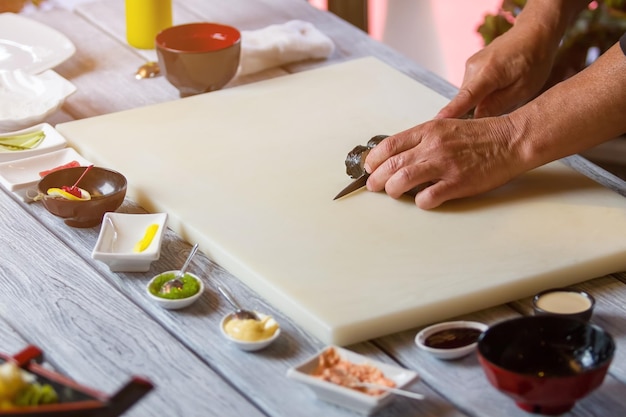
x,y
250,330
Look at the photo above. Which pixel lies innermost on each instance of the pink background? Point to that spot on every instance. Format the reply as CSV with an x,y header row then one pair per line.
x,y
438,34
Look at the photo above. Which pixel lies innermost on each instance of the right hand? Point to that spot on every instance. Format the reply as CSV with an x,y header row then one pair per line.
x,y
503,75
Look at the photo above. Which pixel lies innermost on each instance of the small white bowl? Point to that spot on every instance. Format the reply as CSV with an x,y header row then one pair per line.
x,y
448,353
118,235
244,345
175,304
27,99
51,142
22,175
347,397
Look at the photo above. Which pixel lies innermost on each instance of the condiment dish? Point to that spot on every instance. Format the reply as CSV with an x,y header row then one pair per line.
x,y
22,175
250,346
344,396
52,141
173,303
545,363
107,189
565,302
450,340
130,242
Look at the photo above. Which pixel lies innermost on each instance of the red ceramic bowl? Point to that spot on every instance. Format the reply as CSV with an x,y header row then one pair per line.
x,y
545,363
107,189
199,57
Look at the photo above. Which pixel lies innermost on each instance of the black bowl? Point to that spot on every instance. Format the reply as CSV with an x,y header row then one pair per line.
x,y
545,363
573,303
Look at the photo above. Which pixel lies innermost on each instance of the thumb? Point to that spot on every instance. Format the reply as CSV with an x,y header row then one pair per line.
x,y
461,104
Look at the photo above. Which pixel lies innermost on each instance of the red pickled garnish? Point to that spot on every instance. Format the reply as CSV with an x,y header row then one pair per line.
x,y
71,164
74,190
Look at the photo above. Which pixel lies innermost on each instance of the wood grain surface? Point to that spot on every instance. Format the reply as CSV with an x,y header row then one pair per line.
x,y
99,327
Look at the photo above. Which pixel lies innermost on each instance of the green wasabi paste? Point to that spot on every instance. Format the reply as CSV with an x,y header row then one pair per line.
x,y
190,286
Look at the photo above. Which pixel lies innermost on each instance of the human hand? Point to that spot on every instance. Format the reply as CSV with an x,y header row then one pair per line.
x,y
503,75
458,158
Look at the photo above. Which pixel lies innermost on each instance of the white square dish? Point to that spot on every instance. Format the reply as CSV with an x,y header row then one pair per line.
x,y
118,236
51,142
22,175
344,396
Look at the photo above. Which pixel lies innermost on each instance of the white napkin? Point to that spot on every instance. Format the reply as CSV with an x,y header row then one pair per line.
x,y
282,44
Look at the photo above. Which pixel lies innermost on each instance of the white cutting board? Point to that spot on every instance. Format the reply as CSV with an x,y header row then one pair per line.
x,y
250,173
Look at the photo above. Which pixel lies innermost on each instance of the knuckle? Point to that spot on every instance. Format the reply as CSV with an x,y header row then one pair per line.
x,y
395,163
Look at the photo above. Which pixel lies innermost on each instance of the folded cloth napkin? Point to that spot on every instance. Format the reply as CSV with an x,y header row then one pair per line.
x,y
282,44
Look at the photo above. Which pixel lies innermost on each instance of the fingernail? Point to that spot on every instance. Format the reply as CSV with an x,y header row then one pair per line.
x,y
367,185
367,168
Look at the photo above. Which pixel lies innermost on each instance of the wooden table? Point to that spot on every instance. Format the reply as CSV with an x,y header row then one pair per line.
x,y
99,327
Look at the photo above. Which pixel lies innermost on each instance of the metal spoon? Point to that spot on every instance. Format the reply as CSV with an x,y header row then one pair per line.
x,y
239,313
176,282
148,70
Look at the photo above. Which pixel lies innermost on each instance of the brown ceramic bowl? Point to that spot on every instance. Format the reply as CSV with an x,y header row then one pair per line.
x,y
107,189
545,363
199,57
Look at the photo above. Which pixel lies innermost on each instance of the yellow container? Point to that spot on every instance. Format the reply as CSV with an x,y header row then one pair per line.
x,y
146,18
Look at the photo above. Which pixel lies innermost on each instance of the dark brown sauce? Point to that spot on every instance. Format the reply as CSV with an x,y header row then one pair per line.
x,y
452,338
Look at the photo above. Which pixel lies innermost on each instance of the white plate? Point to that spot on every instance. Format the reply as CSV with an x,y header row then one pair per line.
x,y
347,397
31,46
52,142
118,235
22,175
27,99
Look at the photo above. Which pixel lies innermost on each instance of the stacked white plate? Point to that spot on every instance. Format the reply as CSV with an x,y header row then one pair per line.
x,y
29,90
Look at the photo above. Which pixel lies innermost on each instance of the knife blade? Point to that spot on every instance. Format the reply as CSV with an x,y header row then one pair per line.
x,y
353,186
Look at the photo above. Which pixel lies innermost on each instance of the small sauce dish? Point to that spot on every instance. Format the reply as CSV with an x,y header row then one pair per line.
x,y
266,324
450,340
120,233
348,397
565,302
174,303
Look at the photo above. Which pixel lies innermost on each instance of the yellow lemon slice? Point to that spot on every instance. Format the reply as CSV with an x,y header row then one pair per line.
x,y
143,244
58,192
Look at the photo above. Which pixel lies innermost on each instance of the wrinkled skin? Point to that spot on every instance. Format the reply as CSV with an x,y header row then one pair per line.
x,y
458,158
453,154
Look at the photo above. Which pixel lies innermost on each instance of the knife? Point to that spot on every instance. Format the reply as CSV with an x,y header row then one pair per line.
x,y
353,186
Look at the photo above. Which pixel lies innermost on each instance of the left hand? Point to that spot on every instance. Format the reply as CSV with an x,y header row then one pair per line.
x,y
460,158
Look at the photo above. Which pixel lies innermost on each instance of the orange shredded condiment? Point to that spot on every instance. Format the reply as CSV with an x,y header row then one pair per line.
x,y
333,368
